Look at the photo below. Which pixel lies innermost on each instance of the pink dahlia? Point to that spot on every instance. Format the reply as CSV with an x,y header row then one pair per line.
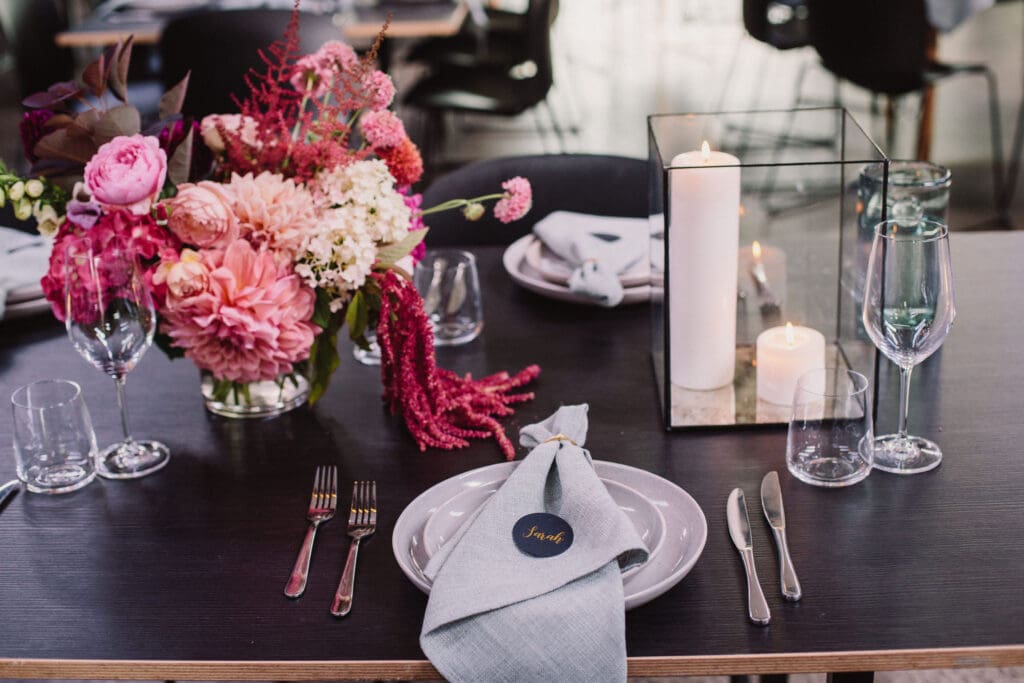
x,y
237,312
517,200
272,211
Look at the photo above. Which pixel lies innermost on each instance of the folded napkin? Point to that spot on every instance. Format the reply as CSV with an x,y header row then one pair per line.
x,y
497,613
598,262
24,259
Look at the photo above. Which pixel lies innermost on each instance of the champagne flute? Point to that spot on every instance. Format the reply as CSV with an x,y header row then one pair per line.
x,y
110,319
908,310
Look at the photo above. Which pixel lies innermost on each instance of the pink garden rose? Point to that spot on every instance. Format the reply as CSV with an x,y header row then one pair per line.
x,y
237,313
127,173
201,214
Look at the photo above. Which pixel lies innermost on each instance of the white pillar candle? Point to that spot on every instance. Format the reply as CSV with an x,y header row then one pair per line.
x,y
704,235
783,354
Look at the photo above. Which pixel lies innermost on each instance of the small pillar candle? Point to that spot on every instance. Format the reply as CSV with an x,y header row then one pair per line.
x,y
783,354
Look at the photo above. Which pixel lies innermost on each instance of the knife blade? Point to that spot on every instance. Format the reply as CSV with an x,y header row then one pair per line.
x,y
7,490
775,513
739,530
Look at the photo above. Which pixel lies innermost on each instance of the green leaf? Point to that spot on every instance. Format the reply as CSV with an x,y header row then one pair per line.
x,y
391,253
121,120
172,100
356,316
180,163
322,309
323,359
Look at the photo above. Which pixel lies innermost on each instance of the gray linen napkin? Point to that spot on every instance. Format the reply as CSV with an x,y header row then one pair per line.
x,y
498,614
24,259
597,262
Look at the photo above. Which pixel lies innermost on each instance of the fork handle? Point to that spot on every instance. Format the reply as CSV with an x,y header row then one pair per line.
x,y
342,604
297,581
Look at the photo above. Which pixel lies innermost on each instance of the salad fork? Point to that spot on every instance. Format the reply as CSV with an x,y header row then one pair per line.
x,y
362,522
322,504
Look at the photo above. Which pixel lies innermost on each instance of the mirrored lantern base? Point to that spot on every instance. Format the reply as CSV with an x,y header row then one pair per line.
x,y
268,398
132,459
906,455
62,478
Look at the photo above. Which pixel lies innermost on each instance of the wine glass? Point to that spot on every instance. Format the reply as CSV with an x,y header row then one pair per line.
x,y
908,310
111,320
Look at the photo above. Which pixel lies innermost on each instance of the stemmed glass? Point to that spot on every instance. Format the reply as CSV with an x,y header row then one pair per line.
x,y
908,310
110,319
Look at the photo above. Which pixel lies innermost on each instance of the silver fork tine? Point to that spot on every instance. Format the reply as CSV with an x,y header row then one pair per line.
x,y
333,503
321,509
373,504
352,505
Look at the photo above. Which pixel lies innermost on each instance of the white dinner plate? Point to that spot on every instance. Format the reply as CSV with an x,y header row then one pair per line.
x,y
450,516
685,526
554,268
527,277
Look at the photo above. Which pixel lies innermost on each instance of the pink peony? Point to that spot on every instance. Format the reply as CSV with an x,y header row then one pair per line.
x,y
272,211
202,215
516,202
127,173
382,89
382,129
237,313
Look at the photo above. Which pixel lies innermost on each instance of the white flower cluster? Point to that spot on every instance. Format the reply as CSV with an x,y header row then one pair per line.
x,y
361,211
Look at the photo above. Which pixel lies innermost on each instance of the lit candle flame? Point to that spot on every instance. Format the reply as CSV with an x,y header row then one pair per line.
x,y
705,151
790,336
755,250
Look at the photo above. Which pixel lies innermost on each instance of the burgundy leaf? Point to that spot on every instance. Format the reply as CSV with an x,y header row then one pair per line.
x,y
60,145
54,95
122,120
172,100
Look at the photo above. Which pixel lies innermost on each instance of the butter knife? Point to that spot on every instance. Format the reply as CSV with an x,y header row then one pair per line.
x,y
771,501
739,530
7,490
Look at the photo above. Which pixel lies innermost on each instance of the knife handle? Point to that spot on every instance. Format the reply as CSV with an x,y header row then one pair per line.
x,y
787,574
756,604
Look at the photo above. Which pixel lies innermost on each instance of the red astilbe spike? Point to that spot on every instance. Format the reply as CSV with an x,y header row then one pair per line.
x,y
440,408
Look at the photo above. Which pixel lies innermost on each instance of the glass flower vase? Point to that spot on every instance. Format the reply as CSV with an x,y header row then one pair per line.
x,y
267,398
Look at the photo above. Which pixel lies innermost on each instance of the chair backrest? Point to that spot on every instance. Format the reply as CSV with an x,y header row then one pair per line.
x,y
783,24
881,45
29,27
540,15
221,46
585,183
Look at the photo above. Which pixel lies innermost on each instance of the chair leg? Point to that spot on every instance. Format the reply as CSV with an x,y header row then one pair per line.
x,y
999,190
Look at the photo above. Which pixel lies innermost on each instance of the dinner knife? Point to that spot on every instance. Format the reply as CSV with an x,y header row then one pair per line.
x,y
7,490
771,501
739,530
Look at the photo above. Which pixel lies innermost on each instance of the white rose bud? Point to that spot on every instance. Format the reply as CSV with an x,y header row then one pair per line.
x,y
34,188
17,191
22,209
3,198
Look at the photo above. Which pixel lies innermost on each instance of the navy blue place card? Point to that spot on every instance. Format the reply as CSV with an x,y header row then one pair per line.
x,y
541,534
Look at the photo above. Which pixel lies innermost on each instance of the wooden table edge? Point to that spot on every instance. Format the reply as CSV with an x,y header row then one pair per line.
x,y
809,662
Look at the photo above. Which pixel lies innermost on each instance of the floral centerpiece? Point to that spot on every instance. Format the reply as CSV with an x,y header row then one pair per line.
x,y
265,232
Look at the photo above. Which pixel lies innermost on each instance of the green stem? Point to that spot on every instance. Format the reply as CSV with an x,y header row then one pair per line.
x,y
459,203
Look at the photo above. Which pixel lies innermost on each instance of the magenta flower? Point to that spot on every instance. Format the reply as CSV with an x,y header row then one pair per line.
x,y
516,202
33,129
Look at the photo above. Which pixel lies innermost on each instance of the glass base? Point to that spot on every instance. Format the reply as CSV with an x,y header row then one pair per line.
x,y
906,455
263,399
834,469
57,479
132,459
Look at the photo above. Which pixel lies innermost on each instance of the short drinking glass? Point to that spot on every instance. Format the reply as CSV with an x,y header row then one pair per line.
x,y
908,310
54,444
447,280
830,432
110,319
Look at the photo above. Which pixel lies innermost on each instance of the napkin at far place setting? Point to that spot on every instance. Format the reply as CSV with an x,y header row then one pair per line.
x,y
497,613
24,259
597,262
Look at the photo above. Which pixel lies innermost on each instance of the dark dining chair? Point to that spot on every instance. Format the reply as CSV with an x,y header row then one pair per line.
x,y
504,90
886,47
29,28
586,183
221,46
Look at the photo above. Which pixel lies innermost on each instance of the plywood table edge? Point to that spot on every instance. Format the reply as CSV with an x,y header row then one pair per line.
x,y
811,662
110,37
368,30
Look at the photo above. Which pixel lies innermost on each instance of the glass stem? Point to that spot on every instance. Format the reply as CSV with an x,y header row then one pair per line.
x,y
119,383
904,400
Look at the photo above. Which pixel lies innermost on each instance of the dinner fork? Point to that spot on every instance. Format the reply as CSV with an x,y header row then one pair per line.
x,y
322,504
362,522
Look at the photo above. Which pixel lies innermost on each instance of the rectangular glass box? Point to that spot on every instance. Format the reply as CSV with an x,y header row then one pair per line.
x,y
789,181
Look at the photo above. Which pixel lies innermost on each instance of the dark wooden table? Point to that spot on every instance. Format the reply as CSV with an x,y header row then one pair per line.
x,y
180,575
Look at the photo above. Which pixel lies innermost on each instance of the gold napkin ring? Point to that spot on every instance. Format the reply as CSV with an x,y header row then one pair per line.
x,y
561,437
